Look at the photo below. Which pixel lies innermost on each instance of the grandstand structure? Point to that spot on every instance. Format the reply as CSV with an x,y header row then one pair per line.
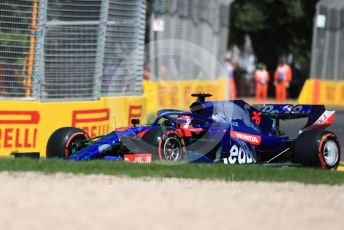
x,y
62,50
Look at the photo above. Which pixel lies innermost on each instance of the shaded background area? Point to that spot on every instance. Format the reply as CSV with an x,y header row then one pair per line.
x,y
278,28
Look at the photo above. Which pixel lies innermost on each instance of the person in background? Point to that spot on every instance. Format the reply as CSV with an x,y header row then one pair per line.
x,y
230,71
282,78
147,72
262,78
296,82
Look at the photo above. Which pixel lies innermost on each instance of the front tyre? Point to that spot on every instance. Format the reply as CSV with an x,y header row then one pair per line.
x,y
317,148
64,141
171,147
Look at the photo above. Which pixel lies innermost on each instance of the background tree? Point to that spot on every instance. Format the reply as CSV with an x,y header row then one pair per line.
x,y
276,28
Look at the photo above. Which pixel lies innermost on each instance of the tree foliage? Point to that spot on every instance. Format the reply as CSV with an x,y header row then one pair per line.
x,y
276,28
15,24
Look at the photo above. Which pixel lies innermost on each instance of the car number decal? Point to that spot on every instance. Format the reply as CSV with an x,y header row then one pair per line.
x,y
256,117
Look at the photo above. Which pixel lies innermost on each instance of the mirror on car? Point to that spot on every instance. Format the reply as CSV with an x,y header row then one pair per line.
x,y
135,122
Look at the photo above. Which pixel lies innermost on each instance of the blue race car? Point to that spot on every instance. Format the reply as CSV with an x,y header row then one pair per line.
x,y
227,132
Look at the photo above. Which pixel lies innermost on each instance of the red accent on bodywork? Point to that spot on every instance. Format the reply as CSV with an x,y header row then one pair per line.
x,y
324,121
252,139
187,132
331,119
141,134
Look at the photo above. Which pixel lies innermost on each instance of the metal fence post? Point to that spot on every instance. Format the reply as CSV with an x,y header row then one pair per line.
x,y
141,51
104,12
31,55
38,75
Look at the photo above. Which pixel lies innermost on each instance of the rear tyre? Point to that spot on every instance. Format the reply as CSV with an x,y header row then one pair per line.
x,y
317,149
60,143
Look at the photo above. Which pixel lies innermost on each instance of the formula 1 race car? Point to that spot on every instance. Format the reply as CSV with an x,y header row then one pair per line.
x,y
228,132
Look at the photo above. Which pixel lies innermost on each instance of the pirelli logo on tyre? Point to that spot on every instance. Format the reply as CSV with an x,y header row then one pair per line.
x,y
249,138
19,129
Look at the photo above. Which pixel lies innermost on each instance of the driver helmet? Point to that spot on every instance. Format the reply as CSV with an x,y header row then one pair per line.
x,y
184,121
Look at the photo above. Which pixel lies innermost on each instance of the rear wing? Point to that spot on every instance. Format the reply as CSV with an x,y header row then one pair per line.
x,y
318,116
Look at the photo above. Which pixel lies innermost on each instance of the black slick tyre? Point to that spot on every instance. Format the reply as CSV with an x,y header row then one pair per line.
x,y
61,141
317,148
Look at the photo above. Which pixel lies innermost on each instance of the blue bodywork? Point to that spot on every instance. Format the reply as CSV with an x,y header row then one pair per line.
x,y
229,132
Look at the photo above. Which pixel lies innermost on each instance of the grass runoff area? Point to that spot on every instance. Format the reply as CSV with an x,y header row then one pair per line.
x,y
193,171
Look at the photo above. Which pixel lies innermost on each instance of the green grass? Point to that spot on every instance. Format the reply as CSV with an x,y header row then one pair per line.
x,y
197,171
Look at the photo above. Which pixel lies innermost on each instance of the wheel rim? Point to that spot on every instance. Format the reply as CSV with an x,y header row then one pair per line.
x,y
73,146
172,149
331,153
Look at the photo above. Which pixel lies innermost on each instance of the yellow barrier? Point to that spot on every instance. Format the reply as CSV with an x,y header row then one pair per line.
x,y
26,126
177,94
322,92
